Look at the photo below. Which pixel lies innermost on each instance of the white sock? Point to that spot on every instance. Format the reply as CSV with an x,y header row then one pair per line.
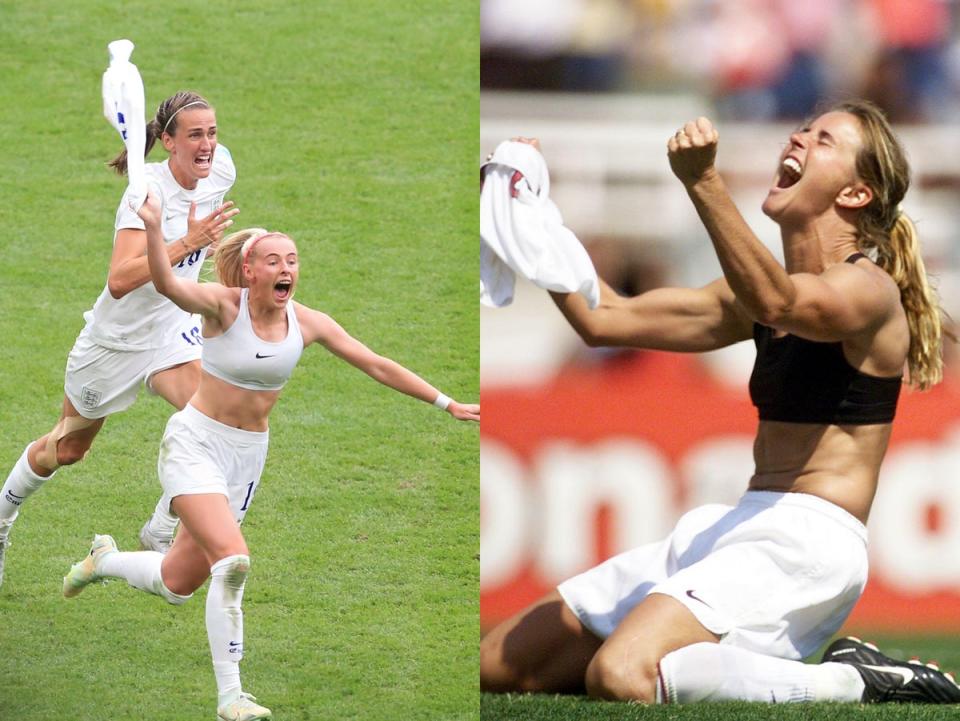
x,y
141,569
713,672
225,623
162,523
20,485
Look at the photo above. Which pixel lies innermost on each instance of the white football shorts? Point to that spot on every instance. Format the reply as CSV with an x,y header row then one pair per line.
x,y
777,574
201,455
102,381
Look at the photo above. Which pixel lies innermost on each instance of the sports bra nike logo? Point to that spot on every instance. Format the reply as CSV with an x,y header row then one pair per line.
x,y
265,356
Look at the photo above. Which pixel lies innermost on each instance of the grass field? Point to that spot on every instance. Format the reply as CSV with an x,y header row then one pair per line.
x,y
542,707
353,127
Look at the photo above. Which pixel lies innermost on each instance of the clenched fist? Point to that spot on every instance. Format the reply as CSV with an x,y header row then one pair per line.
x,y
692,150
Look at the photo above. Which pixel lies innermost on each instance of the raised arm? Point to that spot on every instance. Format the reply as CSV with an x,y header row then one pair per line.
x,y
319,327
674,319
835,305
193,297
129,268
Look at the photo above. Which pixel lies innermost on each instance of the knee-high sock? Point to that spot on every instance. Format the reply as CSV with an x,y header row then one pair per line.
x,y
225,622
163,523
713,672
141,569
20,484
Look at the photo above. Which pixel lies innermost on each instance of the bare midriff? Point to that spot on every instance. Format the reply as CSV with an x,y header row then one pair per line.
x,y
233,406
840,464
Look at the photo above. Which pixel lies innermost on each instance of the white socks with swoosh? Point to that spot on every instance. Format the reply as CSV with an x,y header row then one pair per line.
x,y
20,484
225,623
714,672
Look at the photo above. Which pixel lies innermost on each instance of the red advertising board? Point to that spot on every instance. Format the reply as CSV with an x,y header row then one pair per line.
x,y
606,457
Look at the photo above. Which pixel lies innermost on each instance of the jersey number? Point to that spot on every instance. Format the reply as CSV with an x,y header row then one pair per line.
x,y
191,259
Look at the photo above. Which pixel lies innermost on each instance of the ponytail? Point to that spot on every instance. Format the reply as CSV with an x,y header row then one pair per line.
x,y
881,226
900,258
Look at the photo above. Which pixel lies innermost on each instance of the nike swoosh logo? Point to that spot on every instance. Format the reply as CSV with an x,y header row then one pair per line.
x,y
234,643
265,356
905,673
695,598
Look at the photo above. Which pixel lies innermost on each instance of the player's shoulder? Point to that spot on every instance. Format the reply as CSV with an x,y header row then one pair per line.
x,y
224,172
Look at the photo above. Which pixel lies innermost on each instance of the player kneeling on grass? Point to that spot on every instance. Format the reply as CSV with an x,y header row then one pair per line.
x,y
213,451
726,606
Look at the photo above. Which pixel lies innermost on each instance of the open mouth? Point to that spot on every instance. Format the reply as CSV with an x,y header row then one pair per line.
x,y
203,161
790,172
282,289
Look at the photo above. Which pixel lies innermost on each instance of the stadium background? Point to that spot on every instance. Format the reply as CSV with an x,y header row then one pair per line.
x,y
588,452
353,127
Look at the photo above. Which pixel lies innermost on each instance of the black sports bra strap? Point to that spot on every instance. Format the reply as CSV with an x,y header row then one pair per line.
x,y
854,258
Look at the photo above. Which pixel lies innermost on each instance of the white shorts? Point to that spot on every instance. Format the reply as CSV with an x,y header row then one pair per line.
x,y
777,574
201,455
101,381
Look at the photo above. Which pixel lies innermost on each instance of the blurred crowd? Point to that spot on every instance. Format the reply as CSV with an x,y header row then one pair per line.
x,y
755,59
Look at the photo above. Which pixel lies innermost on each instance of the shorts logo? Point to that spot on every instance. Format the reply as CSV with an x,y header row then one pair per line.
x,y
697,598
89,397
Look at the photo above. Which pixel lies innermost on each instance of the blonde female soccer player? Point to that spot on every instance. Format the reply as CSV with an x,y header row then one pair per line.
x,y
213,451
133,335
729,603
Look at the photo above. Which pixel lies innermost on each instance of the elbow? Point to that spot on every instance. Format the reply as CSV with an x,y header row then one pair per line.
x,y
117,288
772,313
593,338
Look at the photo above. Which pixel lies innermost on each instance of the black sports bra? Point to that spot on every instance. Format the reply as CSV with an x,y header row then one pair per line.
x,y
802,381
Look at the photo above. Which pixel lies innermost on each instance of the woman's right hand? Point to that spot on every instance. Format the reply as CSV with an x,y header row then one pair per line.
x,y
203,232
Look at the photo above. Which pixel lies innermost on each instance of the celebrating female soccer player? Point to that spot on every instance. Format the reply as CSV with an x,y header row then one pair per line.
x,y
214,450
726,606
133,334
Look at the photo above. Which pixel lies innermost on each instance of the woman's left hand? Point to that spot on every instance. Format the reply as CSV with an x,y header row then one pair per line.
x,y
150,210
464,411
692,150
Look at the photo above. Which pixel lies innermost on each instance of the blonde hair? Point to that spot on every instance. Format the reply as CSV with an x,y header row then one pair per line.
x,y
883,227
228,259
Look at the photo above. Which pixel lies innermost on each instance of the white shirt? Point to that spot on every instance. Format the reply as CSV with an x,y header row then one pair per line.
x,y
144,319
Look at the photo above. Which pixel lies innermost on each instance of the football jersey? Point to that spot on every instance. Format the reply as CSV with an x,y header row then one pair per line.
x,y
143,318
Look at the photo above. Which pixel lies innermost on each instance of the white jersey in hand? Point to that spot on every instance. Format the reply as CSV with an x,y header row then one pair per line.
x,y
143,318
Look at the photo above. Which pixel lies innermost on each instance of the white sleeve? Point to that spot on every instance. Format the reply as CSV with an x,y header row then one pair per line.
x,y
126,218
224,171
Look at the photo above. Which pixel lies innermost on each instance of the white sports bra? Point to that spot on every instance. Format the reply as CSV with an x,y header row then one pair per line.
x,y
240,357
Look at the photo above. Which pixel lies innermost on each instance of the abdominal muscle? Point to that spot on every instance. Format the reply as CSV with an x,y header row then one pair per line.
x,y
233,406
840,464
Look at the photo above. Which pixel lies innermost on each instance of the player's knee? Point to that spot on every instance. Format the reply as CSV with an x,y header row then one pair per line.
x,y
495,675
234,569
612,678
177,596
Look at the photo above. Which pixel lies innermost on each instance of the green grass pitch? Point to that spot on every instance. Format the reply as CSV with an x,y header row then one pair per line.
x,y
354,128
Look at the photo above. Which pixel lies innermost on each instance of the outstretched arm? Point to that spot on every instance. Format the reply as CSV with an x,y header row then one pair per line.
x,y
319,327
674,319
193,297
